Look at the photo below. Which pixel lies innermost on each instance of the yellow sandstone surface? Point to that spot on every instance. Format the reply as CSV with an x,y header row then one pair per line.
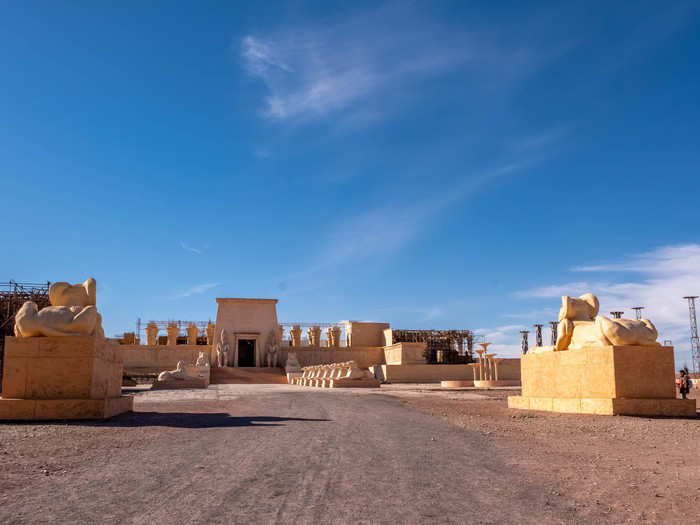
x,y
633,380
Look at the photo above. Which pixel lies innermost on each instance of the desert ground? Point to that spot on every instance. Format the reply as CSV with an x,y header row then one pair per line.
x,y
400,454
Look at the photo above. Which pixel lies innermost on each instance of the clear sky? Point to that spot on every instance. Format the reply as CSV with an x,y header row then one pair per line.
x,y
433,165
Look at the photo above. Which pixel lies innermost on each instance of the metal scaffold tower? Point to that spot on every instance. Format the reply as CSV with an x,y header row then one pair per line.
x,y
524,341
553,325
538,334
694,341
637,312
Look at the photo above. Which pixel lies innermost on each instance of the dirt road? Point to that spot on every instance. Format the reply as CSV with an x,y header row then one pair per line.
x,y
264,454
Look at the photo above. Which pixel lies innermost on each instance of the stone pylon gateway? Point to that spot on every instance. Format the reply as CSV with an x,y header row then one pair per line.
x,y
247,326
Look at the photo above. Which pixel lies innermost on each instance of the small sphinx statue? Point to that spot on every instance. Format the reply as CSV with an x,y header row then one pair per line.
x,y
222,350
580,326
202,365
292,364
202,361
73,311
355,372
178,374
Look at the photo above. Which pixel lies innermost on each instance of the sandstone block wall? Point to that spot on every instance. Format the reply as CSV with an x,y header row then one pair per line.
x,y
67,367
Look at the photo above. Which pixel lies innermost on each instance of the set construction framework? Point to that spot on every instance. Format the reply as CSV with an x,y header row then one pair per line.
x,y
694,341
442,346
13,295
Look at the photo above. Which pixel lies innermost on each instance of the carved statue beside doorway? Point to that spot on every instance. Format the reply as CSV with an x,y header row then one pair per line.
x,y
222,350
272,350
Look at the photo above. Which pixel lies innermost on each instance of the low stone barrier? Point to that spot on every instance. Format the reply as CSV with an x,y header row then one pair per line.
x,y
158,358
336,375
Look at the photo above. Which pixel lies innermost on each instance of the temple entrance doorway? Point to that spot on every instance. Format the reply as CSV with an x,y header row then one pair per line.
x,y
246,352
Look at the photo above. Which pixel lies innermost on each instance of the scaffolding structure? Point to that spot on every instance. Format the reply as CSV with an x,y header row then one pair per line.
x,y
442,346
524,341
554,325
694,341
538,334
637,312
13,295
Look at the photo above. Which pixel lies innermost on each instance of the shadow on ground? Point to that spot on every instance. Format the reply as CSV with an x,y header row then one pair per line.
x,y
175,420
193,420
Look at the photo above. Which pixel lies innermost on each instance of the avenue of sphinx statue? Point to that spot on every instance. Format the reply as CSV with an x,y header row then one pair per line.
x,y
73,311
581,326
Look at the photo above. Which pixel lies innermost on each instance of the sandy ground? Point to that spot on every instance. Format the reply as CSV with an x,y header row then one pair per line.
x,y
404,454
629,469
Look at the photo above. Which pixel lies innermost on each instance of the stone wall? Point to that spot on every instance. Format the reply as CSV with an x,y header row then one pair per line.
x,y
405,354
365,334
161,357
164,357
309,355
508,369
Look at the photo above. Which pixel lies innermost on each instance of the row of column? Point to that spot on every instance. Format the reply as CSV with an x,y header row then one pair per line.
x,y
524,345
487,365
313,333
173,330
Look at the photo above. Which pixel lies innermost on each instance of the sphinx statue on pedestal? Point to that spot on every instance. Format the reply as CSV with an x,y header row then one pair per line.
x,y
73,311
292,364
179,373
581,326
202,361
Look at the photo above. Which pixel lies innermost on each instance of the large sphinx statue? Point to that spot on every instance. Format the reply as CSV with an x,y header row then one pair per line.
x,y
73,311
581,326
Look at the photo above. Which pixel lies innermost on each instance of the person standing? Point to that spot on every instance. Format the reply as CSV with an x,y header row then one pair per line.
x,y
684,383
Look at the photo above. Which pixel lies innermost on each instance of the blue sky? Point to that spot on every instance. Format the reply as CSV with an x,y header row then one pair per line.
x,y
437,164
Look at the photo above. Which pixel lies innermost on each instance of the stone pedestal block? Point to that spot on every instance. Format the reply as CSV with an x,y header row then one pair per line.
x,y
633,380
68,377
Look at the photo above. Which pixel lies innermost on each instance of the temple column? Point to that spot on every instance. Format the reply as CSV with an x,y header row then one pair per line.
x,y
335,335
211,328
314,335
295,332
192,334
151,334
481,365
172,330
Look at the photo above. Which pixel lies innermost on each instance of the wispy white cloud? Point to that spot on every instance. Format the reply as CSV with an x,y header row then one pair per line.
x,y
504,339
185,246
262,153
541,139
385,229
538,313
196,290
358,69
421,313
261,57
